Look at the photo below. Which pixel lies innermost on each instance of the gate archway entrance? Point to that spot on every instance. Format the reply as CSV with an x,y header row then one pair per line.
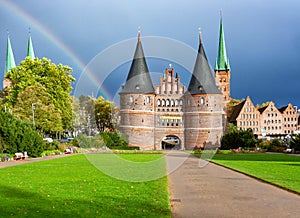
x,y
171,142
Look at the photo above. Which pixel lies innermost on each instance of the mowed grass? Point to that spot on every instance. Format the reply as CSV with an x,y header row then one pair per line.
x,y
280,169
73,187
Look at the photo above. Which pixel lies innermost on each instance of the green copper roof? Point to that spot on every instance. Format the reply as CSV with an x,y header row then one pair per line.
x,y
30,51
10,60
222,62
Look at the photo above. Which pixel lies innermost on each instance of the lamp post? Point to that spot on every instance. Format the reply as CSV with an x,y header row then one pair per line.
x,y
33,108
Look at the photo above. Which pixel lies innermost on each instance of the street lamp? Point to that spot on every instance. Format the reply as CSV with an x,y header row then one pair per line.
x,y
33,108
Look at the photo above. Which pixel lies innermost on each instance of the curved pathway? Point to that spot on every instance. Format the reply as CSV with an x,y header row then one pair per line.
x,y
201,189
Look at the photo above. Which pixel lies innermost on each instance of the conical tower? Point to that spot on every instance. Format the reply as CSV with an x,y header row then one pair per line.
x,y
10,60
138,79
202,106
222,69
137,102
30,51
9,64
202,81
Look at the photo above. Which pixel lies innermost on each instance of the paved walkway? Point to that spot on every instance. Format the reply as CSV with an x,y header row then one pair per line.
x,y
214,191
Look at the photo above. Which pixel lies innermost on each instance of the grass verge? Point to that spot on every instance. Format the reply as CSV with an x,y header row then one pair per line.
x,y
73,187
279,169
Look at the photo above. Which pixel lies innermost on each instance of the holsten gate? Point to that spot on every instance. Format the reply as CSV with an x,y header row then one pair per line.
x,y
169,115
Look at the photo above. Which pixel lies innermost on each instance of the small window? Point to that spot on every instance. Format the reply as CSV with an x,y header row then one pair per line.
x,y
137,87
131,99
147,99
202,100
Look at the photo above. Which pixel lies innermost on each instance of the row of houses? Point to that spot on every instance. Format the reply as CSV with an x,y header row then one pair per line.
x,y
267,121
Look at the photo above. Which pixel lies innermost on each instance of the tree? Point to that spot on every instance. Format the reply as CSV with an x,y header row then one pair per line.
x,y
34,103
295,142
235,138
56,79
104,113
19,136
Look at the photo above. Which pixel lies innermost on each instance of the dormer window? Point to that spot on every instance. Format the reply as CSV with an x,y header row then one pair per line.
x,y
137,87
200,88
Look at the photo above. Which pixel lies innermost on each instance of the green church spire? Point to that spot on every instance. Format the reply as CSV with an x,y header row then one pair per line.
x,y
10,60
30,51
222,62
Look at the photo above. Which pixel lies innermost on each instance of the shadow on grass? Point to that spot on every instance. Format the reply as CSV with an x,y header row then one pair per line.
x,y
18,202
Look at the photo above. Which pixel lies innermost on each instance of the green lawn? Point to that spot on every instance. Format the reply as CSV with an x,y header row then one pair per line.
x,y
279,169
73,187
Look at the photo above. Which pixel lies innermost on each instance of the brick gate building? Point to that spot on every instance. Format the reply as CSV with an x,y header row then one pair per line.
x,y
152,114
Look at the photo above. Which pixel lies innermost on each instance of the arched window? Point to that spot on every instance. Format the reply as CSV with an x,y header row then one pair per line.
x,y
180,102
176,102
172,103
163,102
168,103
158,102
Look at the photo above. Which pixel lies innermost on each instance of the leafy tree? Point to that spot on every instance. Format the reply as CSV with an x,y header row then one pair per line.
x,y
35,100
263,105
19,136
114,139
85,114
104,114
235,138
233,102
295,142
56,79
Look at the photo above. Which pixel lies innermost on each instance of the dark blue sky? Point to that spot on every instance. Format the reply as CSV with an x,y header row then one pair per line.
x,y
262,36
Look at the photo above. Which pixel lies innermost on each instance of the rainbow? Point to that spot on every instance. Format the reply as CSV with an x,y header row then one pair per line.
x,y
34,23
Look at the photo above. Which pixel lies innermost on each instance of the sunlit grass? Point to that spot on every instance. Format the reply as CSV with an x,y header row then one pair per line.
x,y
73,187
280,169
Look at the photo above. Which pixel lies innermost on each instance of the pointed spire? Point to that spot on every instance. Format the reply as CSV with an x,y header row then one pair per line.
x,y
30,51
202,81
139,34
10,60
138,79
222,63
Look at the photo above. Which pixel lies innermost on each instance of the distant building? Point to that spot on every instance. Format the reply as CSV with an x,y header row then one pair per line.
x,y
245,116
271,120
265,121
290,119
10,60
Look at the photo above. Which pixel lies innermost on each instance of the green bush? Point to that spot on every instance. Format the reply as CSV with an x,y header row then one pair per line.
x,y
295,142
235,138
272,146
18,136
50,153
85,141
114,139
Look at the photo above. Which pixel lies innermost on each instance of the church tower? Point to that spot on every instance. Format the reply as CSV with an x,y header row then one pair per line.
x,y
137,102
202,106
30,51
222,69
9,64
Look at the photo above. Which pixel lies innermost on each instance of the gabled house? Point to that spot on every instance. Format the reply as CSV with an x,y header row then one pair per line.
x,y
271,120
290,119
246,116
